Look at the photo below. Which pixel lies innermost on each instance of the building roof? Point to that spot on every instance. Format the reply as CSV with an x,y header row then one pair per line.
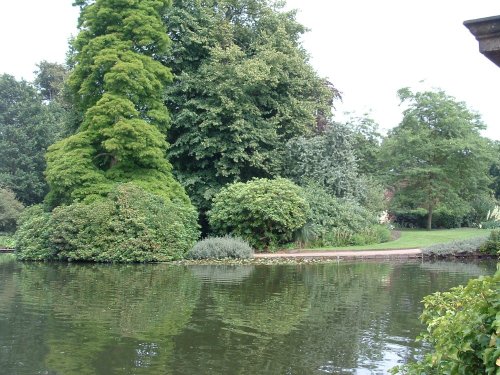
x,y
487,32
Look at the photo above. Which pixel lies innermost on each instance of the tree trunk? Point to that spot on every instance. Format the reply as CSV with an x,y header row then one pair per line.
x,y
429,217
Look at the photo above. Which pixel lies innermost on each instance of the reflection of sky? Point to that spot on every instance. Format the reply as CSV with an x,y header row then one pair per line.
x,y
464,268
343,319
224,274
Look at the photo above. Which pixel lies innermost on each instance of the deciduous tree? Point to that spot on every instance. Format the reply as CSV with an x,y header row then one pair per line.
x,y
27,128
244,87
436,156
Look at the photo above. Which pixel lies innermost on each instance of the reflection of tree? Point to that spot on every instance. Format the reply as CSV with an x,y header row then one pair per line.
x,y
274,308
7,286
237,325
104,315
159,319
222,273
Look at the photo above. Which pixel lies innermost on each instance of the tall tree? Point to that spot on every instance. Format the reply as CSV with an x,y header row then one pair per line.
x,y
50,79
117,84
495,170
366,142
243,88
436,156
27,128
327,159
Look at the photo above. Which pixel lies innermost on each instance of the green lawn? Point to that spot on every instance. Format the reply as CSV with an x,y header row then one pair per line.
x,y
411,239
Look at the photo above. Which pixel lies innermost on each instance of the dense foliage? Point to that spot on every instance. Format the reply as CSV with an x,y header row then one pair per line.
x,y
27,128
10,209
492,245
130,225
264,212
117,85
366,143
328,159
336,221
463,327
436,156
243,88
220,248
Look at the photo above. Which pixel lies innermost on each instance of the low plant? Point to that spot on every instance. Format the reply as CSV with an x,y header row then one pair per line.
x,y
220,248
463,328
264,212
492,245
471,245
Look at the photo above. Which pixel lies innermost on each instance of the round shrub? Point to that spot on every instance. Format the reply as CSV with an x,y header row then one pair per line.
x,y
220,248
264,212
130,225
10,210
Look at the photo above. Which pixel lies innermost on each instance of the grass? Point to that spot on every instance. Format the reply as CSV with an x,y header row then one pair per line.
x,y
413,239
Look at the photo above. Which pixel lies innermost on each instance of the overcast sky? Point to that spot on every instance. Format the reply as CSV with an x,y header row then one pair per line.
x,y
368,49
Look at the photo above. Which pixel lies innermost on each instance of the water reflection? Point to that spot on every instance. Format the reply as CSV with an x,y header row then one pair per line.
x,y
345,318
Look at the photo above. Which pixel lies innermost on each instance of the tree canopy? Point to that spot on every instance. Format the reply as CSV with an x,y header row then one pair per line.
x,y
436,156
27,128
117,85
243,87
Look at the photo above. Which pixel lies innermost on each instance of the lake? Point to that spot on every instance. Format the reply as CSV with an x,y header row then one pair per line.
x,y
349,317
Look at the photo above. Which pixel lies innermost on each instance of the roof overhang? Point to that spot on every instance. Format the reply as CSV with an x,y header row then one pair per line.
x,y
487,33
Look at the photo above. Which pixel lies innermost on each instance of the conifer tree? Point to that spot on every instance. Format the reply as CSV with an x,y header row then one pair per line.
x,y
117,85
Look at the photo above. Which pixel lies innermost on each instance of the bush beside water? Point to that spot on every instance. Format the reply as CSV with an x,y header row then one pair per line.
x,y
130,225
264,212
336,221
220,248
492,245
462,327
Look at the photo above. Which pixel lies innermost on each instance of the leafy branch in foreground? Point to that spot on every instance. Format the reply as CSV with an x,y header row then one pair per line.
x,y
463,326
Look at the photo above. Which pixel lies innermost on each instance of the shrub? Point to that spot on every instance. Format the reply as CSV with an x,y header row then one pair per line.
x,y
130,225
10,210
490,224
462,326
264,212
338,222
33,235
220,248
492,245
417,218
7,241
410,218
470,245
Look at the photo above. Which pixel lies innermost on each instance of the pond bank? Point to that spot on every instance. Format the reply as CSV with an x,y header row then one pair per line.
x,y
406,253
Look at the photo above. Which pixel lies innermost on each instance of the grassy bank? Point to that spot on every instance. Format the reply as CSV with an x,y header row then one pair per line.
x,y
412,239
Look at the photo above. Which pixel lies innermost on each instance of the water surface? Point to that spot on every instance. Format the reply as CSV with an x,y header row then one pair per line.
x,y
337,318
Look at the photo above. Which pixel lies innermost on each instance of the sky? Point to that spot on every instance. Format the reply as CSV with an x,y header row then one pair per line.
x,y
367,49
